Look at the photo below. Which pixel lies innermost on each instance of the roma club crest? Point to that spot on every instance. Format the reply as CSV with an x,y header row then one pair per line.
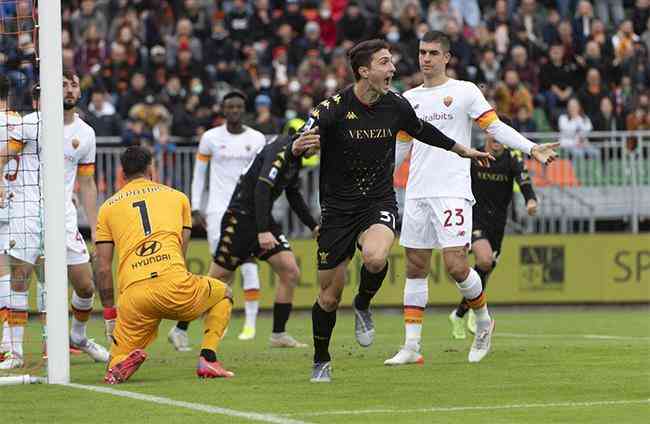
x,y
447,100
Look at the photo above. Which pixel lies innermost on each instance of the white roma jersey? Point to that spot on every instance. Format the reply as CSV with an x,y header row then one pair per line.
x,y
25,177
228,154
79,147
10,131
450,107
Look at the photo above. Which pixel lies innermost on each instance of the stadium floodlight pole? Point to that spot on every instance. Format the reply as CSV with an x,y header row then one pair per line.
x,y
51,104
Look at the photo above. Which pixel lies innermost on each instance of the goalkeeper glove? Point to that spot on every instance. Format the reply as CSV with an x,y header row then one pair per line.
x,y
110,314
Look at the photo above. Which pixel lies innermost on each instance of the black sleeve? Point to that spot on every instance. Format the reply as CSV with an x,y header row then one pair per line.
x,y
520,173
263,206
298,204
271,168
417,128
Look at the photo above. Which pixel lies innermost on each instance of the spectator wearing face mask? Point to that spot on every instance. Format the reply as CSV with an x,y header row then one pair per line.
x,y
265,122
327,26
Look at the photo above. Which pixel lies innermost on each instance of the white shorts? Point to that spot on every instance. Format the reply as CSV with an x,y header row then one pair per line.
x,y
214,228
77,252
436,223
27,243
25,239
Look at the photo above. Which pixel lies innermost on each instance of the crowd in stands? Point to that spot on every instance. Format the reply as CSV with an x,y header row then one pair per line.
x,y
154,69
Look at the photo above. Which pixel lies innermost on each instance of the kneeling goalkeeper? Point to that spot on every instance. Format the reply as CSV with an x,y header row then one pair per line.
x,y
149,225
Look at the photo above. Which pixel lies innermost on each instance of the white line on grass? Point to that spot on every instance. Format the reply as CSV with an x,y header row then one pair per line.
x,y
476,408
575,336
253,416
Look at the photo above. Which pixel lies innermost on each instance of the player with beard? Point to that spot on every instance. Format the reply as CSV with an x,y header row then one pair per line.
x,y
26,225
358,128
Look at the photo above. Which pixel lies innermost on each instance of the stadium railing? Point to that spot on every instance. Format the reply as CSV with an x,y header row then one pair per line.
x,y
610,180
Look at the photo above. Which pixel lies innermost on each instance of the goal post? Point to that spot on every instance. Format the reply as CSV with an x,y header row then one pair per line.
x,y
40,28
56,281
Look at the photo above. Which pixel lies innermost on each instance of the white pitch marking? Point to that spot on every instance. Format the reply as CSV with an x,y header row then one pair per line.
x,y
576,336
253,416
476,408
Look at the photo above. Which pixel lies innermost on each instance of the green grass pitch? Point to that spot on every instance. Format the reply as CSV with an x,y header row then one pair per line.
x,y
547,366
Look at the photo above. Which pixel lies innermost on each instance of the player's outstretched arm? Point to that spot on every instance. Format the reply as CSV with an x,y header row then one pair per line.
x,y
508,136
483,158
104,275
545,153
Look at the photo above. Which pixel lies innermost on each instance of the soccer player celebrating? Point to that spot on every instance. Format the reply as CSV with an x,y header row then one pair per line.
x,y
26,228
358,128
248,229
227,149
149,225
492,188
438,205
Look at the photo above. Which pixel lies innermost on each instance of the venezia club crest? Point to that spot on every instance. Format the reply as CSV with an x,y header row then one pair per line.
x,y
447,101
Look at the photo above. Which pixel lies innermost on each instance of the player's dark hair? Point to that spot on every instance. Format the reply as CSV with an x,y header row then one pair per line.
x,y
69,74
4,87
235,94
135,160
437,37
361,54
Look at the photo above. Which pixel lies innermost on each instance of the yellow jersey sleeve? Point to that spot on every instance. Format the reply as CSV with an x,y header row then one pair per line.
x,y
187,213
103,230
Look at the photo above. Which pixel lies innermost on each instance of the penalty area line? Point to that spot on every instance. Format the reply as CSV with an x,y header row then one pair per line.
x,y
574,336
253,416
476,408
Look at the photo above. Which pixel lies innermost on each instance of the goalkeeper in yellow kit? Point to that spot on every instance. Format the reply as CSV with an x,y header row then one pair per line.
x,y
149,225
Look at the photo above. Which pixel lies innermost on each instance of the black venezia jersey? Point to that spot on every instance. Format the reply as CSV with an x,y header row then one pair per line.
x,y
273,171
358,148
493,187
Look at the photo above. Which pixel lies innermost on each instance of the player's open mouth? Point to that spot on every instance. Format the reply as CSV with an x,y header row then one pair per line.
x,y
387,81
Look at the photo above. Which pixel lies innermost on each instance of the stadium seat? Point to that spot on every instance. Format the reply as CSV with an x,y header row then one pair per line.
x,y
559,173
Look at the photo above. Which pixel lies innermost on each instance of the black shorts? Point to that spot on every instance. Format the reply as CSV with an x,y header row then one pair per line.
x,y
238,242
339,231
493,233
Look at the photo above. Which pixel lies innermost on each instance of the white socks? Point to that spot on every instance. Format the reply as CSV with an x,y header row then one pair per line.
x,y
251,285
416,294
18,309
472,290
5,291
81,308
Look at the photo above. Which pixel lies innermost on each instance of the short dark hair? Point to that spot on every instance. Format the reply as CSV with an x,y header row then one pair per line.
x,y
361,54
4,87
135,160
69,74
437,37
234,94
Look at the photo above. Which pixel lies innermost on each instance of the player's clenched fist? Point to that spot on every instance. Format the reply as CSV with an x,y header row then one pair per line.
x,y
306,141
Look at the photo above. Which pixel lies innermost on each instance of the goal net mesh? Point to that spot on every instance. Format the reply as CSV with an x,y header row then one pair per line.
x,y
23,343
